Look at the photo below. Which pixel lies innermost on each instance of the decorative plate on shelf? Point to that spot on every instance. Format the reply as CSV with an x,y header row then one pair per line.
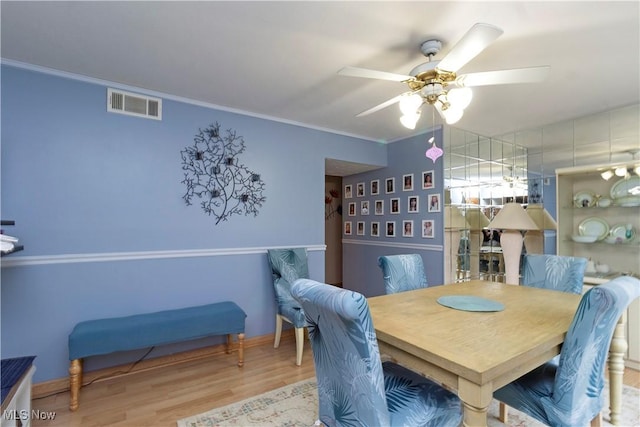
x,y
584,199
594,226
628,201
622,234
624,188
584,239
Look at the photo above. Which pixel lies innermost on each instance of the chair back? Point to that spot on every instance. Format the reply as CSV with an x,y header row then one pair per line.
x,y
351,388
288,265
556,272
577,390
402,272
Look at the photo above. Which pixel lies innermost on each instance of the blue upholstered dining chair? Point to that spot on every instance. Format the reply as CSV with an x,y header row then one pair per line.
x,y
555,272
567,391
402,272
354,387
560,273
288,265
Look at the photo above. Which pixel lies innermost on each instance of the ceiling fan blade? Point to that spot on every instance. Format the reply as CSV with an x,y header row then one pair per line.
x,y
373,74
471,44
381,106
501,77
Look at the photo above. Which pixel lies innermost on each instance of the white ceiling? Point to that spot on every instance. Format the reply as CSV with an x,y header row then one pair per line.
x,y
279,59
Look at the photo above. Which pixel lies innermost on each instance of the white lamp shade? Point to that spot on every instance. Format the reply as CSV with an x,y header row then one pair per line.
x,y
410,103
476,219
409,120
541,217
460,97
452,115
453,219
512,216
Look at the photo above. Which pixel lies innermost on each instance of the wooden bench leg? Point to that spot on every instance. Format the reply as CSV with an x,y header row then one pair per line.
x,y
229,343
75,382
240,349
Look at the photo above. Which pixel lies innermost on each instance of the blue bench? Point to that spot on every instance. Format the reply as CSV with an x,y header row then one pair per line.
x,y
104,336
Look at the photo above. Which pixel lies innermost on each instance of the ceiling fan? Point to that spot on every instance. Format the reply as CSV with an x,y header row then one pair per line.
x,y
436,82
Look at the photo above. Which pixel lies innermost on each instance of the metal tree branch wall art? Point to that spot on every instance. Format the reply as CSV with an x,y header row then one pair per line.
x,y
213,174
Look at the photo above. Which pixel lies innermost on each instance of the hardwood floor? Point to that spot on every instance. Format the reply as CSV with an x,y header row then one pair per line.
x,y
162,396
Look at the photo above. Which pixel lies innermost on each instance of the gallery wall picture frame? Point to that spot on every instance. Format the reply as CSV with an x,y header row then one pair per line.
x,y
391,229
348,191
433,202
413,204
390,186
364,207
428,228
407,182
375,229
428,180
352,208
394,206
360,189
407,228
375,187
347,228
360,228
379,207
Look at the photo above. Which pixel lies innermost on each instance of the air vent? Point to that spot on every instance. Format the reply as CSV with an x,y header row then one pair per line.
x,y
122,102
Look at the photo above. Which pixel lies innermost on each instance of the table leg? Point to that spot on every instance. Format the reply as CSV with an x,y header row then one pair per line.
x,y
476,400
617,350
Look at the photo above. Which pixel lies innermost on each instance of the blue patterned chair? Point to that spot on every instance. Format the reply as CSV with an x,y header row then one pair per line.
x,y
288,265
402,272
568,391
354,387
560,273
555,272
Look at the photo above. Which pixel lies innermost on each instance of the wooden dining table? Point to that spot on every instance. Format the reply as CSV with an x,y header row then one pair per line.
x,y
473,353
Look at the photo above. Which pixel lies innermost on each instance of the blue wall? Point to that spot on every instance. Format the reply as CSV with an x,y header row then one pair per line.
x,y
97,200
405,157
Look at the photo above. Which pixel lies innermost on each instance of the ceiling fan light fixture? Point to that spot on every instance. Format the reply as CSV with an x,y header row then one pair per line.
x,y
460,97
409,104
437,83
409,120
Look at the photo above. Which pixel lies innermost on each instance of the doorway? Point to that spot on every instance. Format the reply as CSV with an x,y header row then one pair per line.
x,y
333,230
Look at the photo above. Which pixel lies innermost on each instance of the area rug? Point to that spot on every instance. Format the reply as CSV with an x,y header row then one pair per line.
x,y
296,405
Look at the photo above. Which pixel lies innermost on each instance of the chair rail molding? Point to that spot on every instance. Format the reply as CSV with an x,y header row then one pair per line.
x,y
418,246
143,255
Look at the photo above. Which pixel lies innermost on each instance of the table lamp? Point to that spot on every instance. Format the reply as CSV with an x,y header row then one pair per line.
x,y
534,239
512,219
453,223
477,221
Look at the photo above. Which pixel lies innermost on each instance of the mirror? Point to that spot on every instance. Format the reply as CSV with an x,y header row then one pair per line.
x,y
480,175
